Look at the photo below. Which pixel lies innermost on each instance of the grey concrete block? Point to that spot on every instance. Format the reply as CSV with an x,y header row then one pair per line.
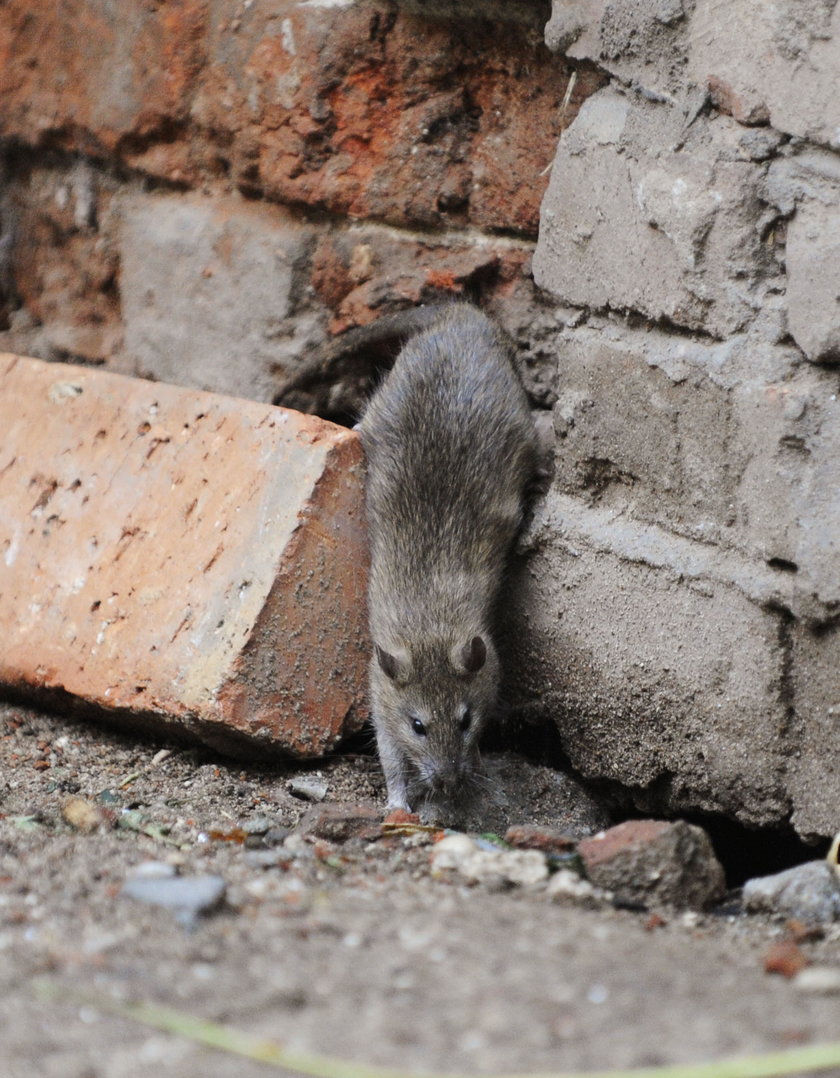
x,y
813,280
786,432
642,215
640,41
775,62
208,289
660,674
813,769
733,444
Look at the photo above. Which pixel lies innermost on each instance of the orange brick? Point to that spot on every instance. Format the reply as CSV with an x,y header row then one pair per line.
x,y
181,556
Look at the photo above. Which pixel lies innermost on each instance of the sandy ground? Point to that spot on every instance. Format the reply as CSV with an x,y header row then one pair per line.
x,y
352,948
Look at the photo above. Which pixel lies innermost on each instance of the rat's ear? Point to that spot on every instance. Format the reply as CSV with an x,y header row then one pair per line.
x,y
470,657
396,665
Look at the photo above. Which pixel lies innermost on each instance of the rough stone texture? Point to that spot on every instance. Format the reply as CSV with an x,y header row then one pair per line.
x,y
814,728
813,272
644,214
181,557
685,563
779,63
233,273
655,861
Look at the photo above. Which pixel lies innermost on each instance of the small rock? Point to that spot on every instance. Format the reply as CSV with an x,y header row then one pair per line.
x,y
276,836
151,870
566,886
187,896
785,958
512,867
809,892
539,838
266,858
82,815
644,861
818,980
259,825
337,823
402,816
308,788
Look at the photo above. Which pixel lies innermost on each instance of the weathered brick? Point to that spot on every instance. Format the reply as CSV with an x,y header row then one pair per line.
x,y
641,214
365,109
814,729
779,62
181,556
658,668
212,291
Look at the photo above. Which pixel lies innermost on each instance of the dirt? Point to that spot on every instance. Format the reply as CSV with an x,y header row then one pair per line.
x,y
350,948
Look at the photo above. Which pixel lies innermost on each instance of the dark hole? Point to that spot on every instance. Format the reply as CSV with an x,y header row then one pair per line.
x,y
783,565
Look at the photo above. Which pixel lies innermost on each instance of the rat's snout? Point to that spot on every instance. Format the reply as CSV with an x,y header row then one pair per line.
x,y
447,775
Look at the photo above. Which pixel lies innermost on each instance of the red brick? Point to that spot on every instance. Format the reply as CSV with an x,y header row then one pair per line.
x,y
181,556
365,110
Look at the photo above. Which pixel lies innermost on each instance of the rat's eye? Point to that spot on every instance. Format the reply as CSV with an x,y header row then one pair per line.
x,y
466,720
418,727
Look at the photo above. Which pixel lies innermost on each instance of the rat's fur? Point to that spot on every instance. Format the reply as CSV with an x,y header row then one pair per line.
x,y
450,446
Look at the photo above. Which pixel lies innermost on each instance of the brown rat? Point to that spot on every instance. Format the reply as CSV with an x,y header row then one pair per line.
x,y
450,445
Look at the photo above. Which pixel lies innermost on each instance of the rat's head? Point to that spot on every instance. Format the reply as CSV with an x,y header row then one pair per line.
x,y
435,699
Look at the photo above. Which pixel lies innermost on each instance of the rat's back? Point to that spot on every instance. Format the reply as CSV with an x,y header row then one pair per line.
x,y
450,445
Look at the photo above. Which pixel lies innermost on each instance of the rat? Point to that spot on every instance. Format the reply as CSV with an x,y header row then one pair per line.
x,y
450,446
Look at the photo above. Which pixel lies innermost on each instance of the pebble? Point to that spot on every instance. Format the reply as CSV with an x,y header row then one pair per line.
x,y
259,825
567,886
308,788
186,896
151,870
520,868
808,892
82,815
818,980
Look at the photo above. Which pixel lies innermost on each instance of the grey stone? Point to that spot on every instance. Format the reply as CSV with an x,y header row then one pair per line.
x,y
809,892
208,289
308,788
780,62
188,896
641,216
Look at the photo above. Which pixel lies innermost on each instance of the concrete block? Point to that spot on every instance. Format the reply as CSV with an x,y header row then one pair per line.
x,y
813,280
813,773
208,287
731,443
641,214
181,558
779,63
659,671
786,442
640,41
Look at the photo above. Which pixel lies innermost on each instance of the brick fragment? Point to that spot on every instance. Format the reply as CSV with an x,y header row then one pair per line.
x,y
178,556
644,861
